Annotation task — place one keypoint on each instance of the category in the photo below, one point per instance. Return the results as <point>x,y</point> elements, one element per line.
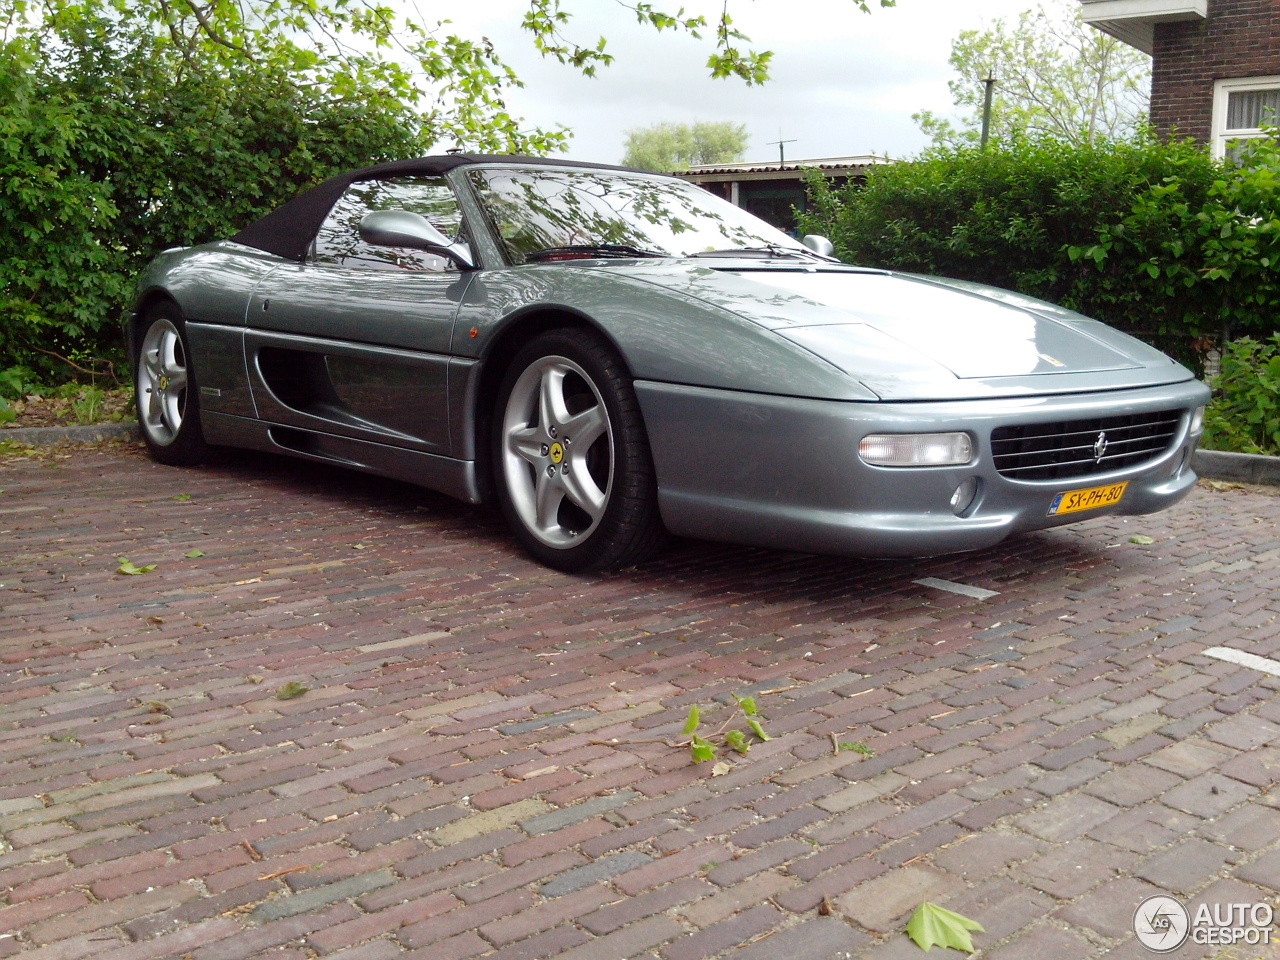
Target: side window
<point>339,243</point>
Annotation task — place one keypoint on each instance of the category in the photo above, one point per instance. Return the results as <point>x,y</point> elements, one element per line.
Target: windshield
<point>546,209</point>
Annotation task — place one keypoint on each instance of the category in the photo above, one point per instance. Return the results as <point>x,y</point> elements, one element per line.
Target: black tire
<point>593,506</point>
<point>165,390</point>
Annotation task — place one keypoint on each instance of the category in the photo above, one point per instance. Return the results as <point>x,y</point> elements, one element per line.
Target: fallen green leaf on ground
<point>721,768</point>
<point>1141,539</point>
<point>691,722</point>
<point>291,689</point>
<point>181,496</point>
<point>931,924</point>
<point>128,569</point>
<point>192,554</point>
<point>701,750</point>
<point>736,741</point>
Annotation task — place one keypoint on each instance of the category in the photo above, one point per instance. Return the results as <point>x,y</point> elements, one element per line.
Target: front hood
<point>908,337</point>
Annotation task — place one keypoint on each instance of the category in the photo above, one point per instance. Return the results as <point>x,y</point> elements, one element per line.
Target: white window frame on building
<point>1222,134</point>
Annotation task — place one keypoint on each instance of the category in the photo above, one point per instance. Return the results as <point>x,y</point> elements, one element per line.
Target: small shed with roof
<point>773,191</point>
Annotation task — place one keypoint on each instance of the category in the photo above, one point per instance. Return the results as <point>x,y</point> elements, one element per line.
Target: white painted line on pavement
<point>1252,660</point>
<point>961,588</point>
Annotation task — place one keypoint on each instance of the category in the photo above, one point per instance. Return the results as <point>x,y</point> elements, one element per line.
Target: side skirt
<point>457,478</point>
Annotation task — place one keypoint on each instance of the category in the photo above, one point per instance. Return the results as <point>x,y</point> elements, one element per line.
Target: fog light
<point>1197,420</point>
<point>963,498</point>
<point>916,449</point>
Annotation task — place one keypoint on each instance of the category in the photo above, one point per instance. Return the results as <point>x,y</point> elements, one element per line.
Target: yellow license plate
<point>1072,501</point>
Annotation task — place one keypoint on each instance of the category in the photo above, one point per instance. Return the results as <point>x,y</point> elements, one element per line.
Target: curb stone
<point>1248,467</point>
<point>85,433</point>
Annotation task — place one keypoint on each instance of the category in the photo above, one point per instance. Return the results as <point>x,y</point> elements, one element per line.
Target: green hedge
<point>1245,413</point>
<point>112,147</point>
<point>1153,237</point>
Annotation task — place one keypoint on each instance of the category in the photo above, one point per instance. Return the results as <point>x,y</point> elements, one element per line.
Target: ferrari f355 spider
<point>615,356</point>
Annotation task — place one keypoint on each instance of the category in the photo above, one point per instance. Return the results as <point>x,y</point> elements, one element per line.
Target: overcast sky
<point>844,83</point>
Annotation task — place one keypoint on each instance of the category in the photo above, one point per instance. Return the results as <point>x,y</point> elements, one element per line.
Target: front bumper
<point>784,472</point>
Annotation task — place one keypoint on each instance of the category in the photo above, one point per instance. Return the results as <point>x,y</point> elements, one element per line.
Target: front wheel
<point>574,474</point>
<point>165,391</point>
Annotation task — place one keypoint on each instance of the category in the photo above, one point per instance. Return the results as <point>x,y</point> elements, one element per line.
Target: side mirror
<point>819,245</point>
<point>401,228</point>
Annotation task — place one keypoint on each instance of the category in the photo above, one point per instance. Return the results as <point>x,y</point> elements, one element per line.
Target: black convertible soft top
<point>288,230</point>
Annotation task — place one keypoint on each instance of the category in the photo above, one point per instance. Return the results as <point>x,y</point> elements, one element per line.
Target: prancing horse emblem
<point>1100,447</point>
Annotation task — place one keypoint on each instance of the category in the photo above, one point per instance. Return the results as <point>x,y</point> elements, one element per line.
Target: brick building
<point>1215,71</point>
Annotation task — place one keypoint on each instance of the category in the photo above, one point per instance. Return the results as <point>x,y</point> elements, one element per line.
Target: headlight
<point>916,449</point>
<point>1197,420</point>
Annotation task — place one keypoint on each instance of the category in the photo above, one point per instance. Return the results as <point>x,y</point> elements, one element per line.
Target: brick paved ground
<point>474,772</point>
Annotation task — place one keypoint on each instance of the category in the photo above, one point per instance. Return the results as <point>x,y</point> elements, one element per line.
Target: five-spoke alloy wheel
<point>164,384</point>
<point>574,474</point>
<point>557,451</point>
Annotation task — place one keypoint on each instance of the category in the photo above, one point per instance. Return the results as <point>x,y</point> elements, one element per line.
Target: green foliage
<point>665,147</point>
<point>1153,237</point>
<point>692,721</point>
<point>18,381</point>
<point>1244,416</point>
<point>290,690</point>
<point>1055,76</point>
<point>702,749</point>
<point>129,569</point>
<point>736,741</point>
<point>856,746</point>
<point>112,147</point>
<point>931,924</point>
<point>1209,242</point>
<point>15,383</point>
<point>86,405</point>
<point>58,281</point>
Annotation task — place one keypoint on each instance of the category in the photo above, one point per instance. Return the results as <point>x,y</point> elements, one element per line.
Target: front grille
<point>1069,448</point>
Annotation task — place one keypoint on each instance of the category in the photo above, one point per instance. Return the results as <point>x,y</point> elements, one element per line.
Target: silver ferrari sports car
<point>615,356</point>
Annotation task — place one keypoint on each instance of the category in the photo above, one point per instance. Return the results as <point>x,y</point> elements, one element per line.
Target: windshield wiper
<point>587,251</point>
<point>770,250</point>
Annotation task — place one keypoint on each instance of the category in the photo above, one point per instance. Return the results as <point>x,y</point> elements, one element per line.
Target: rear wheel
<point>574,474</point>
<point>165,390</point>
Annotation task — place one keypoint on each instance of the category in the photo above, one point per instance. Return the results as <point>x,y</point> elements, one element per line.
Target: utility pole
<point>990,82</point>
<point>781,155</point>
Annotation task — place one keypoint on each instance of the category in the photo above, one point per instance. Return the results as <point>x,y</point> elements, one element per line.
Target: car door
<point>354,341</point>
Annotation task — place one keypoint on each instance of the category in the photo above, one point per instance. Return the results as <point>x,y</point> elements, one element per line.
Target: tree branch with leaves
<point>1055,76</point>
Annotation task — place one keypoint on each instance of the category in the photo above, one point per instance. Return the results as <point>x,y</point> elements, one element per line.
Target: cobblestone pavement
<point>479,766</point>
